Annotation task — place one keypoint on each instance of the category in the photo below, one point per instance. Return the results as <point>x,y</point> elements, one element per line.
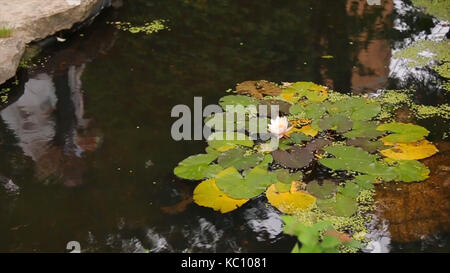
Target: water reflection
<point>55,145</point>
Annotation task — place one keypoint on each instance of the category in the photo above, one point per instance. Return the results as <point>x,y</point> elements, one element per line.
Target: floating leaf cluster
<point>342,138</point>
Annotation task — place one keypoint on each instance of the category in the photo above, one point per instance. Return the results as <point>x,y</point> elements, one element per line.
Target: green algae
<point>394,99</point>
<point>148,28</point>
<point>428,111</point>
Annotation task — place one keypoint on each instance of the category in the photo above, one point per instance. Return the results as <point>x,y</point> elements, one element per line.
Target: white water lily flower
<point>279,126</point>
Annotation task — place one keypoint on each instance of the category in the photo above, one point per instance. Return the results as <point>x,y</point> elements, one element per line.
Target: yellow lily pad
<point>207,194</point>
<point>292,201</point>
<point>409,151</point>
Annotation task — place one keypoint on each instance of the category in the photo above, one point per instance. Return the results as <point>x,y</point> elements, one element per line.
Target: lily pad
<point>410,151</point>
<point>365,181</point>
<point>283,106</point>
<point>298,138</point>
<point>207,194</point>
<point>310,90</point>
<point>197,167</point>
<point>231,182</point>
<point>224,141</point>
<point>351,158</point>
<point>339,123</point>
<point>410,170</point>
<point>235,100</point>
<point>341,205</point>
<point>239,159</point>
<point>299,157</point>
<point>226,121</point>
<point>290,202</point>
<point>366,129</point>
<point>403,132</point>
<point>284,176</point>
<point>309,110</point>
<point>322,191</point>
<point>258,89</point>
<point>366,144</point>
<point>355,108</point>
<point>350,189</point>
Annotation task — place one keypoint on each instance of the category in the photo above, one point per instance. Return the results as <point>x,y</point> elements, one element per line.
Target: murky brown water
<point>85,148</point>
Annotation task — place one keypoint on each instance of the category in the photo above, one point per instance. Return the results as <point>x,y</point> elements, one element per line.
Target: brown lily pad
<point>258,89</point>
<point>299,157</point>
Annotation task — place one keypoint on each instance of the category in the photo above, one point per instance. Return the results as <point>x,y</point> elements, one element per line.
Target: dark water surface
<point>85,147</point>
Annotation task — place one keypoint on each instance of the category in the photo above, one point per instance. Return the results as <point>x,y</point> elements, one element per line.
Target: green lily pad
<point>284,176</point>
<point>239,159</point>
<point>257,125</point>
<point>310,110</point>
<point>231,182</point>
<point>324,191</point>
<point>351,189</point>
<point>351,158</point>
<point>366,129</point>
<point>223,141</point>
<point>410,171</point>
<point>298,138</point>
<point>197,167</point>
<point>340,205</point>
<point>339,123</point>
<point>365,181</point>
<point>235,100</point>
<point>226,121</point>
<point>355,108</point>
<point>403,132</point>
<point>366,144</point>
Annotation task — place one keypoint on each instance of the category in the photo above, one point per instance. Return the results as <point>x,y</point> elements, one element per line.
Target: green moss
<point>437,8</point>
<point>5,32</point>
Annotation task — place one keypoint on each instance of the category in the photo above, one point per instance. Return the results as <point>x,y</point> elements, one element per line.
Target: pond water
<point>85,147</point>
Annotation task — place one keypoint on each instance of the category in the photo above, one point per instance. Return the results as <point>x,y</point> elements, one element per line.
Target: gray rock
<point>11,51</point>
<point>32,20</point>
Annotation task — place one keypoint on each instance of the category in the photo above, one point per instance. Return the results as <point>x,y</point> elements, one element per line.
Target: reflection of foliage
<point>438,8</point>
<point>245,168</point>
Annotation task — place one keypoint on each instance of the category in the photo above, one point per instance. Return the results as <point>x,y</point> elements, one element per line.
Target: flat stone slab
<point>32,20</point>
